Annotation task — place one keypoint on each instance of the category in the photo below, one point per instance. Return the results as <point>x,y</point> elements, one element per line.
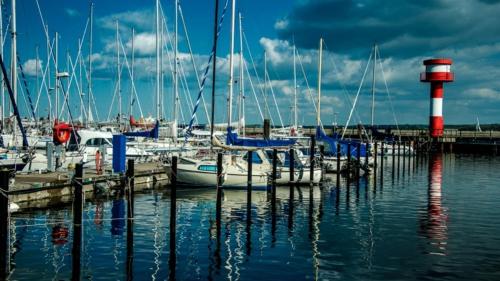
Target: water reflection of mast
<point>314,221</point>
<point>434,223</point>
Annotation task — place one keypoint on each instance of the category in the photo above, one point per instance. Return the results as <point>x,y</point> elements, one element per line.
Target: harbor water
<point>436,218</point>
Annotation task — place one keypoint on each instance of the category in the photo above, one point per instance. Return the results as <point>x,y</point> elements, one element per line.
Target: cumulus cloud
<point>30,67</point>
<point>71,12</point>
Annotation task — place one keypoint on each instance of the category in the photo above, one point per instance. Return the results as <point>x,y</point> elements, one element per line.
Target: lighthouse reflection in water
<point>434,222</point>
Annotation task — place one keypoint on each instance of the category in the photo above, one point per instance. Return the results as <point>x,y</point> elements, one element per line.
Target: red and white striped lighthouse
<point>437,72</point>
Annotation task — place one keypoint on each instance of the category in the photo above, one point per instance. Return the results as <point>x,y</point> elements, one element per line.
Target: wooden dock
<point>48,189</point>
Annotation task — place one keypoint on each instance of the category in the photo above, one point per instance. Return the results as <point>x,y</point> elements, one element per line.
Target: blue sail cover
<point>232,139</point>
<point>154,133</point>
<point>331,144</point>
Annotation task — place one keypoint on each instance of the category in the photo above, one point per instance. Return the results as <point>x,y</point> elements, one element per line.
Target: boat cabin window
<point>74,140</point>
<point>96,142</point>
<point>208,168</point>
<point>255,158</point>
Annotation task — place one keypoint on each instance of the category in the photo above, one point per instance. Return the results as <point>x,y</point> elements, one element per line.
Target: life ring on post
<point>61,133</point>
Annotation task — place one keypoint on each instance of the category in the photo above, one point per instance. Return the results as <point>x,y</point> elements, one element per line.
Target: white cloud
<point>140,20</point>
<point>30,66</point>
<point>71,12</point>
<point>144,44</point>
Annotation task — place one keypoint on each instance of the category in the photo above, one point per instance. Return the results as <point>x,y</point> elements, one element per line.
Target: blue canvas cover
<point>331,144</point>
<point>232,139</point>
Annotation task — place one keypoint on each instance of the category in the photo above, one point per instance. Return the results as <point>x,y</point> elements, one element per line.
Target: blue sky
<point>406,31</point>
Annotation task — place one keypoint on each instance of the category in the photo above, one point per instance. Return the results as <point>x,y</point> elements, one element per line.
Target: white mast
<point>158,60</point>
<point>295,124</point>
<point>373,82</point>
<point>132,75</point>
<point>56,90</point>
<point>89,94</point>
<point>13,59</point>
<point>320,59</point>
<point>37,74</point>
<point>231,67</point>
<point>49,115</point>
<point>118,88</point>
<point>241,107</point>
<point>2,87</point>
<point>176,86</point>
<point>81,80</point>
<point>162,74</point>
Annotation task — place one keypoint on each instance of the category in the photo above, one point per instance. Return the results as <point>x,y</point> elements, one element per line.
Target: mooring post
<point>375,155</point>
<point>358,160</point>
<point>292,165</point>
<point>218,204</point>
<point>338,164</point>
<point>249,186</point>
<point>130,218</point>
<point>348,161</point>
<point>4,224</point>
<point>393,157</point>
<point>321,158</point>
<point>274,176</point>
<point>173,212</point>
<point>381,162</point>
<point>77,220</point>
<point>312,159</point>
<point>399,156</point>
<point>404,157</point>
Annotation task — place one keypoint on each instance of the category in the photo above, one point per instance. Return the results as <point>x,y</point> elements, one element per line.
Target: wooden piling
<point>322,158</point>
<point>173,204</point>
<point>4,224</point>
<point>274,176</point>
<point>249,187</point>
<point>218,204</point>
<point>292,166</point>
<point>399,156</point>
<point>393,158</point>
<point>358,160</point>
<point>404,157</point>
<point>130,218</point>
<point>338,164</point>
<point>382,153</point>
<point>312,159</point>
<point>77,221</point>
<point>348,161</point>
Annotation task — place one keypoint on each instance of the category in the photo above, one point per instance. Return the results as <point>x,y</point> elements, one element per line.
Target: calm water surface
<point>439,220</point>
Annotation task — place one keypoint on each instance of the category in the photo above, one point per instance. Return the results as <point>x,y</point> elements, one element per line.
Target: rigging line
<point>357,95</point>
<point>388,95</point>
<point>257,76</point>
<point>44,85</point>
<point>6,33</point>
<point>274,98</point>
<point>128,67</point>
<point>25,82</point>
<point>347,95</point>
<point>188,41</point>
<point>205,75</point>
<point>78,88</point>
<point>253,90</point>
<point>309,90</point>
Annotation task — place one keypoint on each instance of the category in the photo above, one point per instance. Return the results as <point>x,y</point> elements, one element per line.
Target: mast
<point>241,107</point>
<point>56,90</point>
<point>89,110</point>
<point>2,87</point>
<point>267,114</point>
<point>295,124</point>
<point>320,59</point>
<point>37,65</point>
<point>49,115</point>
<point>119,90</point>
<point>216,18</point>
<point>81,80</point>
<point>176,85</point>
<point>157,59</point>
<point>231,68</point>
<point>162,74</point>
<point>14,61</point>
<point>373,82</point>
<point>132,74</point>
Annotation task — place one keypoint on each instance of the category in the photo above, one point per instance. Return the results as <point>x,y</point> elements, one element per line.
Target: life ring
<point>60,234</point>
<point>61,133</point>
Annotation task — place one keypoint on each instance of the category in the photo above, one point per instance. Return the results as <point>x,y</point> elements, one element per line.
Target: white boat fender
<point>13,207</point>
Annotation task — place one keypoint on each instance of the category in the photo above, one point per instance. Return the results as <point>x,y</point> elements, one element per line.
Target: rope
<point>205,74</point>
<point>25,82</point>
<point>4,192</point>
